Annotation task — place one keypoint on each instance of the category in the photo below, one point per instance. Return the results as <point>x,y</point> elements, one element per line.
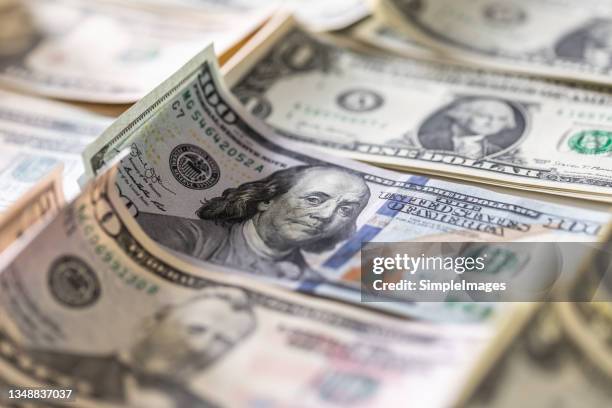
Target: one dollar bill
<point>563,39</point>
<point>428,117</point>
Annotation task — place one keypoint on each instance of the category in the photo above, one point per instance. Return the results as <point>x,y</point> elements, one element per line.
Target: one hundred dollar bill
<point>553,352</point>
<point>563,39</point>
<point>428,117</point>
<point>46,46</point>
<point>36,136</point>
<point>94,306</point>
<point>213,184</point>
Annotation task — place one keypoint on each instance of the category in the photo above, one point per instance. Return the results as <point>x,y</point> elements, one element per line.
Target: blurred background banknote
<point>555,353</point>
<point>376,33</point>
<point>317,14</point>
<point>35,136</point>
<point>563,39</point>
<point>48,47</point>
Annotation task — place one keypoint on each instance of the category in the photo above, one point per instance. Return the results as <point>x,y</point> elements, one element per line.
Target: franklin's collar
<point>258,246</point>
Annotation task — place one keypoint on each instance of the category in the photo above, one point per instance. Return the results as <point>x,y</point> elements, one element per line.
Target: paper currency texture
<point>563,39</point>
<point>428,117</point>
<point>210,182</point>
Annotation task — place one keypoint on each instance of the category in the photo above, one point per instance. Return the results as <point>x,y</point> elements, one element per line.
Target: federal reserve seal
<point>193,167</point>
<point>360,100</point>
<point>73,283</point>
<point>591,142</point>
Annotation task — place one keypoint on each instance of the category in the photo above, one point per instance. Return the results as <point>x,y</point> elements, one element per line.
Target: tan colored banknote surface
<point>318,15</point>
<point>376,33</point>
<point>428,117</point>
<point>94,306</point>
<point>50,47</point>
<point>35,136</point>
<point>564,39</point>
<point>552,353</point>
<point>44,198</point>
<point>207,180</point>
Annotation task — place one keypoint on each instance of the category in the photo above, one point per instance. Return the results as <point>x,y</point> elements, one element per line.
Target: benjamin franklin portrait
<point>178,343</point>
<point>263,226</point>
<point>590,43</point>
<point>473,127</point>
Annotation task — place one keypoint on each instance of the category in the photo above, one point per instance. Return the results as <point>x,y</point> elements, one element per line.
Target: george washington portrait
<point>473,127</point>
<point>263,226</point>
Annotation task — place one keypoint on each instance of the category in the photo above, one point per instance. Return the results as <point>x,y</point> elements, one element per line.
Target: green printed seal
<point>591,142</point>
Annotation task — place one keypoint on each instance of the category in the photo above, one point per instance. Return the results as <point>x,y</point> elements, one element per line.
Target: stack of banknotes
<point>186,187</point>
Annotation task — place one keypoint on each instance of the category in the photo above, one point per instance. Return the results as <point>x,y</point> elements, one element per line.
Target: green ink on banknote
<point>591,142</point>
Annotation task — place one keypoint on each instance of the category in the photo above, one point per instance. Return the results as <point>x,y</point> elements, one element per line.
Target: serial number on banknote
<point>181,110</point>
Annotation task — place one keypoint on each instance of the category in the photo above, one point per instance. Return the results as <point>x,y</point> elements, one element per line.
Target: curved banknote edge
<point>563,40</point>
<point>428,117</point>
<point>562,346</point>
<point>207,180</point>
<point>376,33</point>
<point>95,306</point>
<point>43,199</point>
